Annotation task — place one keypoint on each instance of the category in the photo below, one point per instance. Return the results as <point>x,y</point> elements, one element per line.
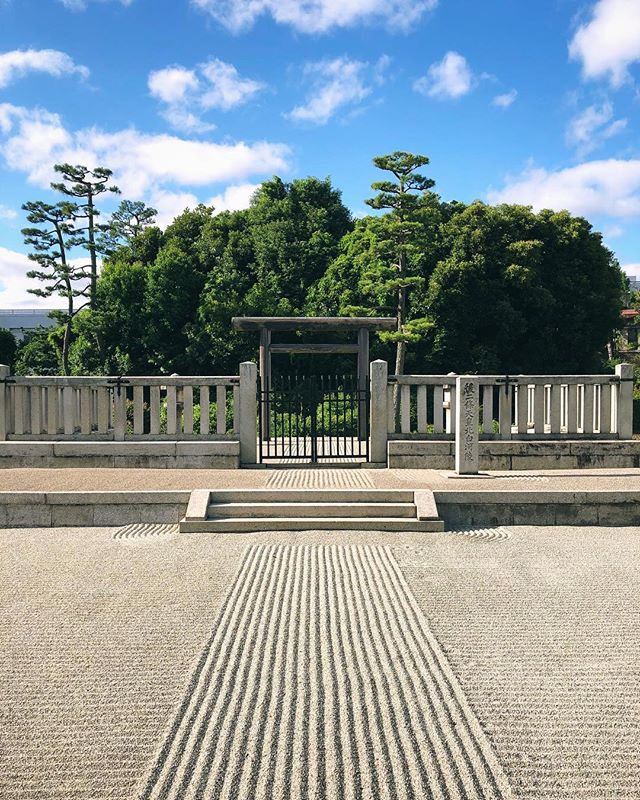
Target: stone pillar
<point>248,413</point>
<point>4,422</point>
<point>378,415</point>
<point>467,451</point>
<point>625,401</point>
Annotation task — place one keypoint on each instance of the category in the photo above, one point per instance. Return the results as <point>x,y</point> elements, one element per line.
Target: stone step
<point>259,524</point>
<point>311,496</point>
<point>313,509</point>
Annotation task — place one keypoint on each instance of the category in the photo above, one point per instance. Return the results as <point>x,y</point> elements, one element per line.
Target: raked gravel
<point>320,665</point>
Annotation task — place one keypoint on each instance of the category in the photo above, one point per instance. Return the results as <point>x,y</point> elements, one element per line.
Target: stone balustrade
<point>469,409</point>
<point>119,408</point>
<point>512,407</point>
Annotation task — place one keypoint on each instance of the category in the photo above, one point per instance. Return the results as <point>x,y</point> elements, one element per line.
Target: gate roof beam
<point>314,323</point>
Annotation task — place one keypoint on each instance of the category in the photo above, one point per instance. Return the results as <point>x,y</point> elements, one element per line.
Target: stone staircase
<point>255,510</point>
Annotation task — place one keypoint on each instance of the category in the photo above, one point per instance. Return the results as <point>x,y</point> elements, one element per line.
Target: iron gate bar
<point>313,418</point>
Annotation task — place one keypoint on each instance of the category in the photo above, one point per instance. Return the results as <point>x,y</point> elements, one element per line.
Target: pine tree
<point>51,243</point>
<point>86,184</point>
<point>398,237</point>
<point>125,225</point>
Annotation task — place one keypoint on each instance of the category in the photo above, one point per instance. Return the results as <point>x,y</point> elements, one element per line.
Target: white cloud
<point>631,269</point>
<point>592,127</point>
<point>16,64</point>
<point>234,197</point>
<point>186,93</point>
<point>609,42</point>
<point>80,5</point>
<point>447,79</point>
<point>35,139</point>
<point>613,231</point>
<point>505,100</point>
<point>7,213</point>
<point>335,84</point>
<point>170,204</point>
<point>226,88</point>
<point>609,188</point>
<point>14,283</point>
<point>317,16</point>
<point>172,84</point>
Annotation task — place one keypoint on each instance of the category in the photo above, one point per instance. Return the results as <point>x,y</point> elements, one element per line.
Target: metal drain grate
<point>145,530</point>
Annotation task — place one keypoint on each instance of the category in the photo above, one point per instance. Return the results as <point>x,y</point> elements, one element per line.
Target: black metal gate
<point>313,418</point>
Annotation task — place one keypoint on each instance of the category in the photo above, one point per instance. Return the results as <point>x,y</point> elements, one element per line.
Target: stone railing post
<point>248,413</point>
<point>378,374</point>
<point>625,401</point>
<point>467,449</point>
<point>4,422</point>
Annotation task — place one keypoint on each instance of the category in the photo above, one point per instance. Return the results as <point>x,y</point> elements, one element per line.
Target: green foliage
<point>8,347</point>
<point>51,239</point>
<point>474,288</point>
<point>40,352</point>
<point>384,260</point>
<point>262,261</point>
<point>522,292</point>
<point>85,185</point>
<point>126,225</point>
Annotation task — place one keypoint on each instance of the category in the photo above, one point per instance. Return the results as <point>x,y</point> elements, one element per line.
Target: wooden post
<point>625,401</point>
<point>265,380</point>
<point>248,416</point>
<point>4,405</point>
<point>378,418</point>
<point>363,381</point>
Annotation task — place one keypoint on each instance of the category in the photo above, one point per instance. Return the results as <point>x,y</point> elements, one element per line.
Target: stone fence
<point>467,410</point>
<point>434,421</point>
<point>111,409</point>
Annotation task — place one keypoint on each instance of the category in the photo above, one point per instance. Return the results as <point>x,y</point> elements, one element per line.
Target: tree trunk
<point>92,251</point>
<point>67,333</point>
<point>401,346</point>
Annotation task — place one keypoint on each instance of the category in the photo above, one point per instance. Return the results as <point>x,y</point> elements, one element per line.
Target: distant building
<point>634,283</point>
<point>21,320</point>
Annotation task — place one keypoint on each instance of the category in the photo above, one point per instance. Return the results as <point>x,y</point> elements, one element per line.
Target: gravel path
<point>543,631</point>
<point>319,665</point>
<point>322,679</point>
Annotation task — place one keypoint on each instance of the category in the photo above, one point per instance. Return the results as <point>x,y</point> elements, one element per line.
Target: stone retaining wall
<point>87,509</point>
<point>154,455</point>
<point>478,509</point>
<point>518,454</point>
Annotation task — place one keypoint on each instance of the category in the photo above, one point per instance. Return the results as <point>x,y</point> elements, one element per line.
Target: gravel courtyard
<point>451,665</point>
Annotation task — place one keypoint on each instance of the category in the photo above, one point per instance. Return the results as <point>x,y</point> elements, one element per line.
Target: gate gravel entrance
<point>314,418</point>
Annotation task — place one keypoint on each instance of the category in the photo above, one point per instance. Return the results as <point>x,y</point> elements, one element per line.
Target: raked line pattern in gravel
<point>142,530</point>
<point>325,478</point>
<point>321,679</point>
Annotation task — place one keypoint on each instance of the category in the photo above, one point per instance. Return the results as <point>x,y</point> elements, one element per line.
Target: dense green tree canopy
<point>521,292</point>
<point>483,289</point>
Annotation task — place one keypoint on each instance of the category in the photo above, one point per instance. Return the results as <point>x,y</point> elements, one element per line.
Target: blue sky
<point>199,100</point>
